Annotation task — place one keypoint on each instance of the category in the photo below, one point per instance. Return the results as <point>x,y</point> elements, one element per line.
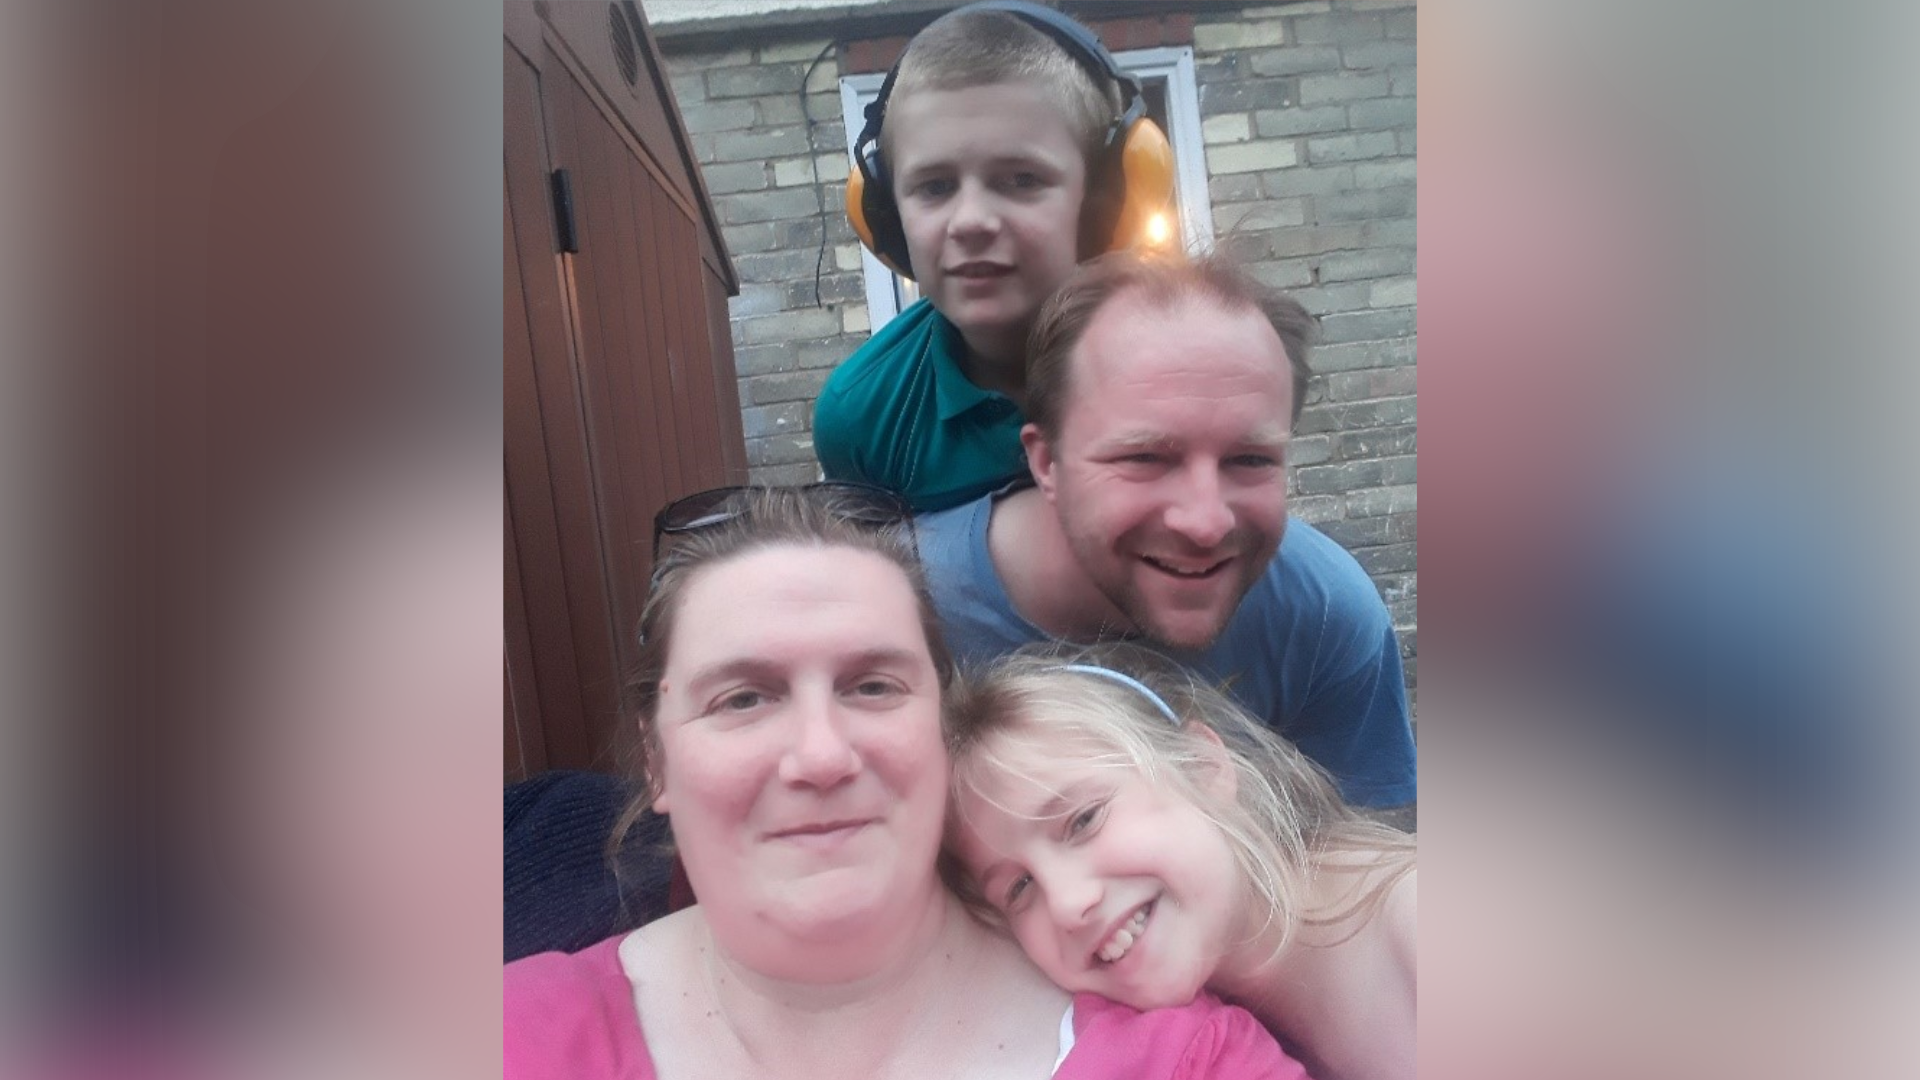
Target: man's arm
<point>1354,713</point>
<point>1355,720</point>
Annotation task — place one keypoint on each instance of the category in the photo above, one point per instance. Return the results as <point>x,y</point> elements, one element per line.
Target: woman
<point>789,708</point>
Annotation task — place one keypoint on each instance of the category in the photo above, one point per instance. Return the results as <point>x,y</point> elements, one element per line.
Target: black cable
<point>813,163</point>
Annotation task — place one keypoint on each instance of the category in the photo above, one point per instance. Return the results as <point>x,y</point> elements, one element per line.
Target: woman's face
<point>801,755</point>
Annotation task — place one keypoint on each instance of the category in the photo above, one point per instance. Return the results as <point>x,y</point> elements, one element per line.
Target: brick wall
<point>1307,114</point>
<point>748,117</point>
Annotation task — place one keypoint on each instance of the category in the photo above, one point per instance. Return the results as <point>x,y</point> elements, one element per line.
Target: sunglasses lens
<point>874,507</point>
<point>698,511</point>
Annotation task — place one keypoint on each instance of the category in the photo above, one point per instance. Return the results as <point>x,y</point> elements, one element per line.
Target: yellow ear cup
<point>856,205</point>
<point>1146,168</point>
<point>857,217</point>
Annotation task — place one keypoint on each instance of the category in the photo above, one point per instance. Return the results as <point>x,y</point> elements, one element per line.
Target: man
<point>1161,398</point>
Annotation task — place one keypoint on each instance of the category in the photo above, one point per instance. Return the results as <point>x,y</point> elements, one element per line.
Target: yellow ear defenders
<point>1129,182</point>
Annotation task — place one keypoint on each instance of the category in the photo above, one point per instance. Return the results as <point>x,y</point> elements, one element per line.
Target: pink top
<point>570,1017</point>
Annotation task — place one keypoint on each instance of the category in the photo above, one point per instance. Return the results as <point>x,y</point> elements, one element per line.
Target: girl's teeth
<point>1124,937</point>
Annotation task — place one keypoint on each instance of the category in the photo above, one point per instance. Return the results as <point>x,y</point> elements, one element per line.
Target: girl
<point>1142,837</point>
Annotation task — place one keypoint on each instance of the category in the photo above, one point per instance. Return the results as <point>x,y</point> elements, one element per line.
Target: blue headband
<point>1127,680</point>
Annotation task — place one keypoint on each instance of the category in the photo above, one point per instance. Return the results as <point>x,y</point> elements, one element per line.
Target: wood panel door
<point>619,368</point>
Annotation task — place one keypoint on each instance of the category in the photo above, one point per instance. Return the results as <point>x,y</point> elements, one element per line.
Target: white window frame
<point>1173,64</point>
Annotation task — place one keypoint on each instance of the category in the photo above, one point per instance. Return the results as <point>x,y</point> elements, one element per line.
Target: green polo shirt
<point>899,413</point>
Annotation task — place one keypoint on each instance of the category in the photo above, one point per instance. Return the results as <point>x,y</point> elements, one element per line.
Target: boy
<point>1002,152</point>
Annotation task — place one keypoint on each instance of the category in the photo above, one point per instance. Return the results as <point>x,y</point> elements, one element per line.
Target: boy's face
<point>989,181</point>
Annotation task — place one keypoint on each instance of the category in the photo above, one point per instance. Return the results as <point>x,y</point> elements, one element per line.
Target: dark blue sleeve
<point>1354,718</point>
<point>1373,753</point>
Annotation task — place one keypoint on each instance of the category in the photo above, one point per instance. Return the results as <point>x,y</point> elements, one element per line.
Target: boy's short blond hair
<point>965,49</point>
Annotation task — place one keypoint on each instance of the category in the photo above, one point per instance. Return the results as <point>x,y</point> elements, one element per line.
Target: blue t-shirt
<point>900,413</point>
<point>1310,650</point>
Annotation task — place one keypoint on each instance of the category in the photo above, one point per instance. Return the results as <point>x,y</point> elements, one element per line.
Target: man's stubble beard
<point>1134,607</point>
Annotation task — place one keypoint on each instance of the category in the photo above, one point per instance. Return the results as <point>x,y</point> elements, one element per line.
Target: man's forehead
<point>1195,350</point>
<point>1131,328</point>
<point>1274,433</point>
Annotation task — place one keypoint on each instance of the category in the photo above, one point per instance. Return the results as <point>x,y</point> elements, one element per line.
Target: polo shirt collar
<point>954,392</point>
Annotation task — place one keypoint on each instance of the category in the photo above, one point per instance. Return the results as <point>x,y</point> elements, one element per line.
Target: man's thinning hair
<point>1157,282</point>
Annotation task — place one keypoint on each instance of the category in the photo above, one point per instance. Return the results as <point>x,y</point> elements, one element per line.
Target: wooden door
<point>619,391</point>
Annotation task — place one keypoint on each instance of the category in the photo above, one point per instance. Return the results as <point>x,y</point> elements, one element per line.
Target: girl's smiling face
<point>1113,883</point>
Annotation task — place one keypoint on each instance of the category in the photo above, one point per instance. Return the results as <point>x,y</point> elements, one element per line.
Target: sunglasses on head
<point>863,504</point>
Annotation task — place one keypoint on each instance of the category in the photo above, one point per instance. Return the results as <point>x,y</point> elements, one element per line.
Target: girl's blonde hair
<point>1283,821</point>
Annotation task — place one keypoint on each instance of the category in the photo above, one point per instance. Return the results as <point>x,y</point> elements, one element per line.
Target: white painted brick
<point>1352,147</point>
<point>1379,502</point>
<point>833,168</point>
<point>1253,156</point>
<point>1385,174</point>
<point>790,326</point>
<point>1309,449</point>
<point>776,111</point>
<point>1229,128</point>
<point>1284,274</point>
<point>825,78</point>
<point>789,52</point>
<point>730,58</point>
<point>1392,294</point>
<point>1314,509</point>
<point>854,320</point>
<point>792,171</point>
<point>1221,37</point>
<point>1266,214</point>
<point>846,257</point>
<point>736,177</point>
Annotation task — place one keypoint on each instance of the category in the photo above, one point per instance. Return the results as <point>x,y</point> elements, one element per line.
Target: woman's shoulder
<point>1203,1038</point>
<point>571,1015</point>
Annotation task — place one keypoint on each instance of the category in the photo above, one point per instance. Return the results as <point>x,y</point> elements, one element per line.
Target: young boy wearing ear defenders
<point>1005,147</point>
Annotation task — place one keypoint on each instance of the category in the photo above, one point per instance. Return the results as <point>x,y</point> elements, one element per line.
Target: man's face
<point>1169,467</point>
<point>989,181</point>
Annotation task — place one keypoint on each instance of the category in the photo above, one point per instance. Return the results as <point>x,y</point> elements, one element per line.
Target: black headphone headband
<point>1079,43</point>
